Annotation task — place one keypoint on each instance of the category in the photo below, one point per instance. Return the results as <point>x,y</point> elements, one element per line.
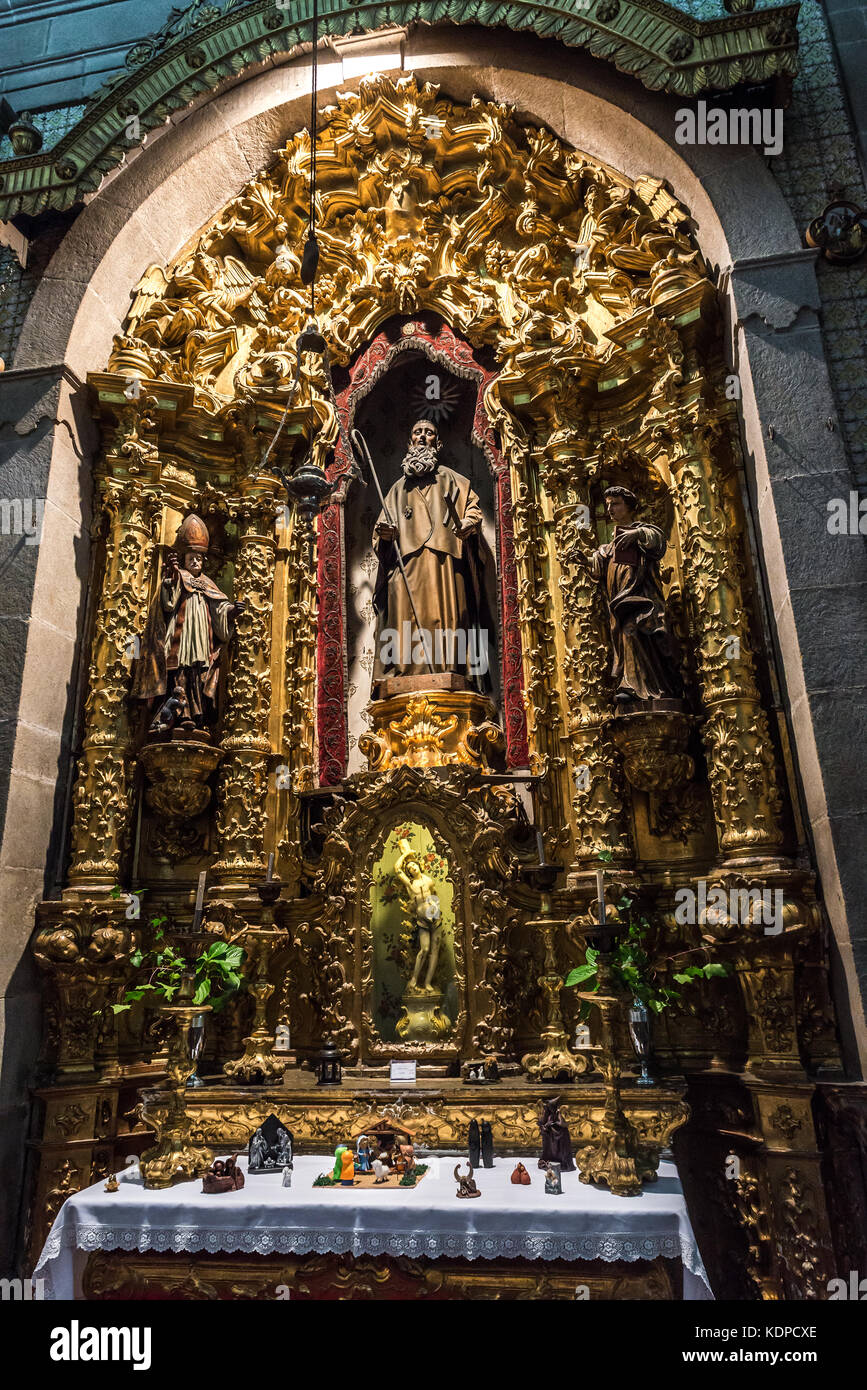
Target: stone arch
<point>81,301</point>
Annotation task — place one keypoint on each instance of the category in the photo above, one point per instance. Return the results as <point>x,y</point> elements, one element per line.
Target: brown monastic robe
<point>427,513</point>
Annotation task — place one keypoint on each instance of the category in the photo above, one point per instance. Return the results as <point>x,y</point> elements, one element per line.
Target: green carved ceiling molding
<point>203,45</point>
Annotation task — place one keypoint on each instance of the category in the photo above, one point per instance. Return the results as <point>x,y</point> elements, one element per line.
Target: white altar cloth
<point>583,1223</point>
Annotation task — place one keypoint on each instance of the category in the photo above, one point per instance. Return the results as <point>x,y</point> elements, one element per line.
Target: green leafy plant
<point>215,974</point>
<point>657,981</point>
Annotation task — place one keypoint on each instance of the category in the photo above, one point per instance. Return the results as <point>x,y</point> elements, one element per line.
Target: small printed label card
<point>402,1072</point>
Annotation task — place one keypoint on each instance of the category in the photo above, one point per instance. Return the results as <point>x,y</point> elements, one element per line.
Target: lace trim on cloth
<point>191,1239</point>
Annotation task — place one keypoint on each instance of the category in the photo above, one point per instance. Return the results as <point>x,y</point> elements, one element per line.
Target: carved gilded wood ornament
<point>588,294</point>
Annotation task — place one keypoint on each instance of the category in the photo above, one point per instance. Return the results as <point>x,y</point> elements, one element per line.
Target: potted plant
<point>654,982</point>
<point>168,979</point>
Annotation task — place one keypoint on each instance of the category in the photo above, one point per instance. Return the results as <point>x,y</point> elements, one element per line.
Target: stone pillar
<point>246,740</point>
<point>101,802</point>
<point>816,576</point>
<point>741,765</point>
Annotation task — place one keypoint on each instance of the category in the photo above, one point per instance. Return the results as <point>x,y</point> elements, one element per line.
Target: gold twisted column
<point>102,803</point>
<point>598,791</point>
<point>296,770</point>
<point>246,739</point>
<point>740,755</point>
<point>538,641</point>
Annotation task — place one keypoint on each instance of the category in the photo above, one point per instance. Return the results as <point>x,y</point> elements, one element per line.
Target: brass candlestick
<point>555,1062</point>
<point>174,1157</point>
<point>616,1158</point>
<point>258,1065</point>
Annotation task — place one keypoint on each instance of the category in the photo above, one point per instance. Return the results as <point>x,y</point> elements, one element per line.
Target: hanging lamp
<point>308,487</point>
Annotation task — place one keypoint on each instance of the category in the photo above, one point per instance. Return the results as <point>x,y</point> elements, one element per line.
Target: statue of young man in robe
<point>189,624</point>
<point>645,664</point>
<point>433,516</point>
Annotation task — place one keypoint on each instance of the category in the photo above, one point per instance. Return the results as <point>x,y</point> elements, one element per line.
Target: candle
<point>540,845</point>
<point>200,899</point>
<point>600,895</point>
<point>270,874</point>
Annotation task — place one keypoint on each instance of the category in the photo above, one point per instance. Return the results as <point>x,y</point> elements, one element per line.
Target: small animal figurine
<point>466,1185</point>
<point>474,1144</point>
<point>287,1176</point>
<point>487,1145</point>
<point>520,1176</point>
<point>347,1168</point>
<point>379,1170</point>
<point>112,1184</point>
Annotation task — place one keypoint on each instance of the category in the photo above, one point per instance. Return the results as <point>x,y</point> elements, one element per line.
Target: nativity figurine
<point>270,1148</point>
<point>556,1140</point>
<point>224,1175</point>
<point>189,626</point>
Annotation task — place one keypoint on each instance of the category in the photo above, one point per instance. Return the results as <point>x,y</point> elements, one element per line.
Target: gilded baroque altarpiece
<point>575,309</point>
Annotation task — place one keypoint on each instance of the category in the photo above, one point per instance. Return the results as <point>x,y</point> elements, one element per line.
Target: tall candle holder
<point>555,1063</point>
<point>258,1065</point>
<point>616,1158</point>
<point>173,1157</point>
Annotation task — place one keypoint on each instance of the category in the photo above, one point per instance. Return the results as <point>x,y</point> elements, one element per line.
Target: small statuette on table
<point>520,1176</point>
<point>270,1147</point>
<point>553,1184</point>
<point>112,1184</point>
<point>287,1176</point>
<point>474,1144</point>
<point>556,1140</point>
<point>347,1168</point>
<point>224,1175</point>
<point>487,1145</point>
<point>466,1183</point>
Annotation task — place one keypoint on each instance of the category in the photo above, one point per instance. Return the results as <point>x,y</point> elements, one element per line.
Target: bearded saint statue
<point>189,624</point>
<point>433,516</point>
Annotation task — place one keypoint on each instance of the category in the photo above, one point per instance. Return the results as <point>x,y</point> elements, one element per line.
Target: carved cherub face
<point>193,563</point>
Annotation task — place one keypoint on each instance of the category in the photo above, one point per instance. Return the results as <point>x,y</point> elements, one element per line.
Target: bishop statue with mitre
<point>189,624</point>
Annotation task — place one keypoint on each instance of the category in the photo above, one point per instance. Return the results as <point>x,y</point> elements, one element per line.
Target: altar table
<point>428,1222</point>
